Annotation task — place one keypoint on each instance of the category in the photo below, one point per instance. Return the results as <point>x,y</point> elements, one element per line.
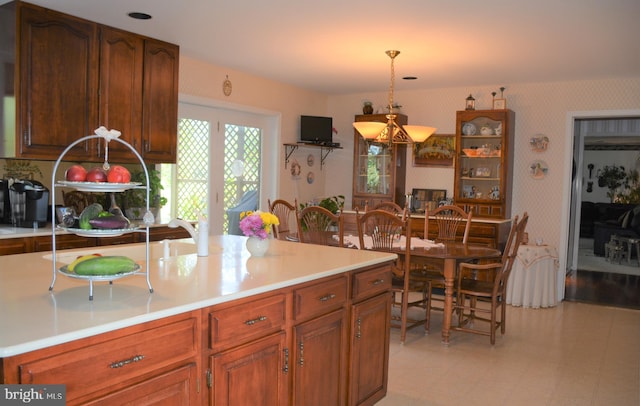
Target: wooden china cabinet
<point>484,164</point>
<point>379,170</point>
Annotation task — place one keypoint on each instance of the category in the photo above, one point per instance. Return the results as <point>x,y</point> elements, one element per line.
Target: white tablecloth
<point>353,240</point>
<point>532,282</point>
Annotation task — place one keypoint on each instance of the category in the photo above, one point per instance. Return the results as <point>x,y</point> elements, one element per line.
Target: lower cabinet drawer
<point>239,323</point>
<point>370,283</point>
<point>176,387</point>
<point>114,363</point>
<point>319,298</point>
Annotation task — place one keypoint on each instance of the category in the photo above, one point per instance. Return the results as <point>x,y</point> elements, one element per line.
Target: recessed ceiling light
<point>139,16</point>
<point>410,78</point>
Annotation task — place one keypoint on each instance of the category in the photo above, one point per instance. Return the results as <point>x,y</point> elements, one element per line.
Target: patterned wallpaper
<point>541,108</point>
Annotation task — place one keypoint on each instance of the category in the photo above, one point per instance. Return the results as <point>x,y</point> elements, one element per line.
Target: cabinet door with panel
<point>379,170</point>
<point>370,335</point>
<point>319,360</point>
<point>484,168</point>
<point>121,63</point>
<point>256,373</point>
<point>160,101</point>
<point>58,83</point>
<point>369,350</point>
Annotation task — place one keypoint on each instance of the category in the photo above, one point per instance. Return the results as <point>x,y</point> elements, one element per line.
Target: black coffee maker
<point>24,203</point>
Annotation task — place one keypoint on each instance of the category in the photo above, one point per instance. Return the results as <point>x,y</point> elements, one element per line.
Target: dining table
<point>452,253</point>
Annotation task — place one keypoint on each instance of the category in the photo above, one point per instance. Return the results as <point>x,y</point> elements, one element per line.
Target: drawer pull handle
<point>254,321</point>
<point>327,297</point>
<point>359,328</point>
<point>377,282</point>
<point>120,364</point>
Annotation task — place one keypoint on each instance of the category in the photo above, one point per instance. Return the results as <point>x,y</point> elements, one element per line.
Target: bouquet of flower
<point>257,223</point>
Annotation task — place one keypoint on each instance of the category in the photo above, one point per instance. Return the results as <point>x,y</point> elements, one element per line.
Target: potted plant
<point>632,189</point>
<point>332,203</point>
<point>612,177</point>
<point>135,200</point>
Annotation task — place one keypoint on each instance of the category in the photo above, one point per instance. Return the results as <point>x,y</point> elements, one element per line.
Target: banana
<point>82,258</point>
<point>106,265</point>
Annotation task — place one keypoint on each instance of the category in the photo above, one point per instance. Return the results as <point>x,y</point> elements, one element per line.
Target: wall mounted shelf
<point>289,148</point>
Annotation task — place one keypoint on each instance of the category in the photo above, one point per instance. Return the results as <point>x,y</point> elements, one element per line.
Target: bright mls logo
<point>49,395</point>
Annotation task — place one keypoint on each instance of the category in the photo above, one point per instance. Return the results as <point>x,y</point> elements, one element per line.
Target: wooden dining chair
<point>378,230</point>
<point>487,295</point>
<point>317,225</point>
<point>285,212</point>
<point>389,206</point>
<point>446,221</point>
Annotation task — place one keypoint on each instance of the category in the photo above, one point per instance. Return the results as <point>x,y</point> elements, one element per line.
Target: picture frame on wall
<point>437,150</point>
<point>499,104</point>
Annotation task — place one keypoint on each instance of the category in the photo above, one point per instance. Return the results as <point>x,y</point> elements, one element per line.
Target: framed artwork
<point>499,104</point>
<point>422,199</point>
<point>437,150</point>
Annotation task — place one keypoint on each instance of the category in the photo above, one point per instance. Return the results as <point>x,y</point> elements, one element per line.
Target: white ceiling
<point>337,46</point>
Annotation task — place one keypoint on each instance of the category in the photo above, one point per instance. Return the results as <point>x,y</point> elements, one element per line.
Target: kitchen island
<point>211,322</point>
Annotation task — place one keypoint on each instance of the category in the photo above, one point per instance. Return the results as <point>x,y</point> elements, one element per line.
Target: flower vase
<point>257,247</point>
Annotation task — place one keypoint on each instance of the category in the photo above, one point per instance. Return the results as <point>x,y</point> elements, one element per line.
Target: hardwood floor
<point>604,288</point>
<point>601,282</point>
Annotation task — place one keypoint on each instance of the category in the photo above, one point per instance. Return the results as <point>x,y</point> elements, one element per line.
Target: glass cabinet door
<point>374,169</point>
<point>379,169</point>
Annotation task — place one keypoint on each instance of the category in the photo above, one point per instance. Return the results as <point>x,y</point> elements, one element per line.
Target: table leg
<point>449,277</point>
<point>629,247</point>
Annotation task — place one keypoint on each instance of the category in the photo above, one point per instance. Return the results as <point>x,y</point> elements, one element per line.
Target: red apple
<point>97,174</point>
<point>76,173</point>
<point>118,174</point>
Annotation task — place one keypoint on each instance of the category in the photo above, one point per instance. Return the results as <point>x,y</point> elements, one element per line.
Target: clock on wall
<point>227,87</point>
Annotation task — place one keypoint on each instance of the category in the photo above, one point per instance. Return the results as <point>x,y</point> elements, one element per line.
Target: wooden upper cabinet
<point>57,84</point>
<point>76,75</point>
<point>160,101</point>
<point>121,63</point>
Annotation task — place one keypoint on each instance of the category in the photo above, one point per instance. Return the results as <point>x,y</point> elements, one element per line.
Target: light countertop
<point>32,317</point>
<point>8,231</point>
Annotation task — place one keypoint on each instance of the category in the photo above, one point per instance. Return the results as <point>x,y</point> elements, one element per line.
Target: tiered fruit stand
<point>106,187</point>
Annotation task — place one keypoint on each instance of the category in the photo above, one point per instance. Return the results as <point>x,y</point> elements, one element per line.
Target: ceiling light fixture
<point>391,132</point>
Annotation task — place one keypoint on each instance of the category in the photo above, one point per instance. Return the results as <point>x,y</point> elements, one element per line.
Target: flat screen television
<point>318,130</point>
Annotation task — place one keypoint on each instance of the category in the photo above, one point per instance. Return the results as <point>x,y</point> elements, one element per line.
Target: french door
<point>220,158</point>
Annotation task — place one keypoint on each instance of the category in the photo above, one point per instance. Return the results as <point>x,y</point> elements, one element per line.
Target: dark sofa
<point>603,220</point>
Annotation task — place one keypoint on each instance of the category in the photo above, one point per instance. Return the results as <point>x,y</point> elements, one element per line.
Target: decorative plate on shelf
<point>99,232</point>
<point>469,129</point>
<point>65,271</point>
<point>99,186</point>
<point>538,169</point>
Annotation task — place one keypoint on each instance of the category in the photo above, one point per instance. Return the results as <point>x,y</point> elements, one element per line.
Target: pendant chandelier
<point>391,132</point>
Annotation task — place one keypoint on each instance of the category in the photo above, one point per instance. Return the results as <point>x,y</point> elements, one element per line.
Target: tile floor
<point>572,354</point>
